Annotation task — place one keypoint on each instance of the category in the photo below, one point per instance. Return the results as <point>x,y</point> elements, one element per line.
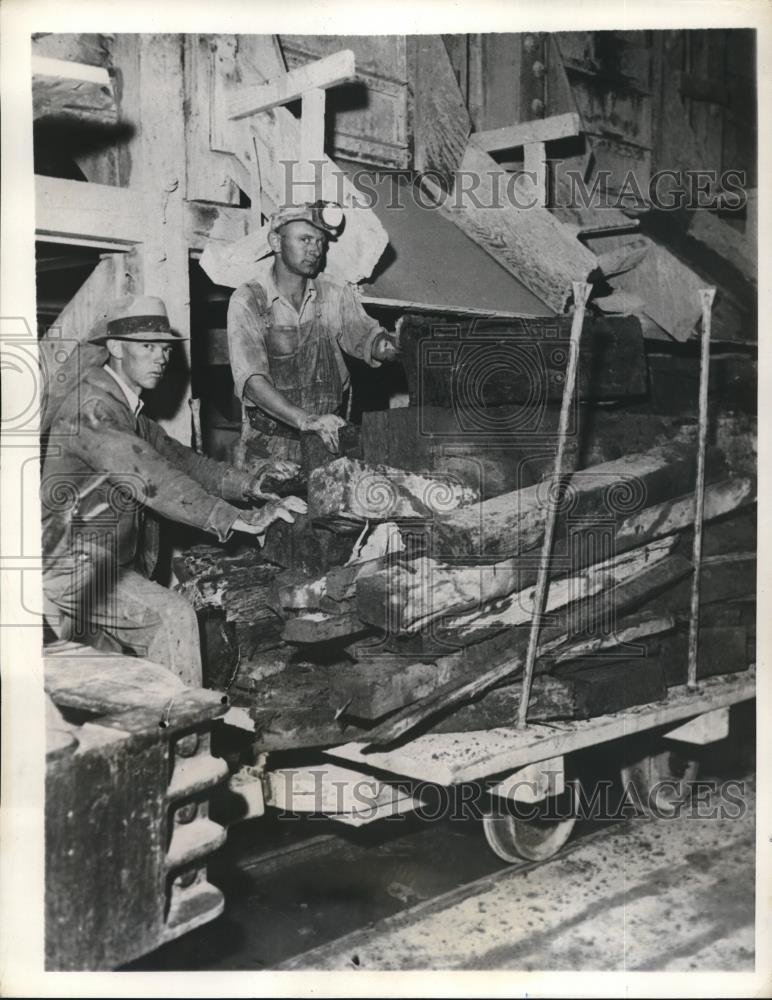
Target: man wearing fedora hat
<point>106,465</point>
<point>287,331</point>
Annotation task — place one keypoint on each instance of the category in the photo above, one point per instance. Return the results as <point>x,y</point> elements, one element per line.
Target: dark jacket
<point>95,432</point>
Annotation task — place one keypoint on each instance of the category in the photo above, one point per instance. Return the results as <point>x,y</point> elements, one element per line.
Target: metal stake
<point>706,298</point>
<point>581,294</point>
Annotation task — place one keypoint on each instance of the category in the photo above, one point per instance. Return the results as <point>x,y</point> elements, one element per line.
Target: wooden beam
<point>154,171</point>
<point>539,131</point>
<point>440,124</point>
<point>43,66</point>
<point>514,522</point>
<point>320,74</point>
<point>449,759</point>
<point>312,138</point>
<point>503,217</point>
<point>88,213</point>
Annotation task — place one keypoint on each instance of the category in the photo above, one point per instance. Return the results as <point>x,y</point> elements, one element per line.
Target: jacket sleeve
<point>140,473</point>
<point>215,477</point>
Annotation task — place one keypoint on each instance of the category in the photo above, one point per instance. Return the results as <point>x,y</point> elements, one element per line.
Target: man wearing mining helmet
<point>287,331</point>
<point>107,467</point>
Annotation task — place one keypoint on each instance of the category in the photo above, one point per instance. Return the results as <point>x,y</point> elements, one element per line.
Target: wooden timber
<point>323,73</point>
<point>628,594</point>
<point>524,238</point>
<point>453,758</point>
<point>440,123</point>
<point>97,214</point>
<point>71,90</point>
<point>514,522</point>
<point>411,596</point>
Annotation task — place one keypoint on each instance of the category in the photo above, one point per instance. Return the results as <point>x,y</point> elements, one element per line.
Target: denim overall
<point>302,363</point>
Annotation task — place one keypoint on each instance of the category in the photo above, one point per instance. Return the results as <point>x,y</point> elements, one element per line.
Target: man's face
<point>301,247</point>
<point>141,364</point>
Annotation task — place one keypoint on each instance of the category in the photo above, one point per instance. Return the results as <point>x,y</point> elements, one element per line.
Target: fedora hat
<point>135,317</point>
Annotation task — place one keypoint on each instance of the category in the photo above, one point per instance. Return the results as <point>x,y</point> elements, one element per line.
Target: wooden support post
<point>535,165</point>
<point>706,299</point>
<point>581,294</point>
<point>312,138</point>
<point>155,168</point>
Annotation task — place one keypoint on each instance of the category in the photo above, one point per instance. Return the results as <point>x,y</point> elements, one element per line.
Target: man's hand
<point>384,348</point>
<point>257,522</point>
<point>326,426</point>
<point>281,470</point>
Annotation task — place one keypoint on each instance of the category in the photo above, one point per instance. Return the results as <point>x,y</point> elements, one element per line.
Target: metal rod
<point>581,294</point>
<point>706,298</point>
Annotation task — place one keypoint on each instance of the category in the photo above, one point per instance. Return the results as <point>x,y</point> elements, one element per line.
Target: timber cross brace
<point>308,83</point>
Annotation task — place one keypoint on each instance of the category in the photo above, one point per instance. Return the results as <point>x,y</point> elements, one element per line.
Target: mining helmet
<point>324,215</point>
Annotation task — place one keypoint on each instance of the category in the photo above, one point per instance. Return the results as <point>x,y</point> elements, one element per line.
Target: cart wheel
<point>539,836</point>
<point>659,781</point>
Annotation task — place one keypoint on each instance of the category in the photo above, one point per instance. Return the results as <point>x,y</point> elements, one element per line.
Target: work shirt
<point>298,351</point>
<point>134,401</point>
<point>335,305</point>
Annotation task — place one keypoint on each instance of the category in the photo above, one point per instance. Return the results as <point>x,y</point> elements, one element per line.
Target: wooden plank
<point>538,130</point>
<point>72,90</point>
<point>65,355</point>
<point>477,364</point>
<point>723,577</point>
<point>525,239</point>
<point>514,522</point>
<point>371,129</point>
<point>722,650</point>
<point>668,289</point>
<point>312,129</point>
<point>551,698</point>
<point>226,223</point>
<point>406,598</point>
<point>441,124</point>
<point>99,214</point>
<point>721,498</point>
<point>210,173</point>
<point>726,241</point>
<point>451,759</point>
<point>89,49</point>
<point>449,695</point>
<point>324,73</point>
<point>602,688</point>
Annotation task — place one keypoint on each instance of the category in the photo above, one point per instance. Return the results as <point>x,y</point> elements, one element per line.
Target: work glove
<point>279,470</point>
<point>257,522</point>
<point>385,348</point>
<point>326,426</point>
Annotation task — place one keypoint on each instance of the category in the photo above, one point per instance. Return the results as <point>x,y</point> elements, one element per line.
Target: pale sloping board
<point>65,355</point>
<point>529,242</point>
<point>668,289</point>
<point>272,137</point>
<point>441,123</point>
